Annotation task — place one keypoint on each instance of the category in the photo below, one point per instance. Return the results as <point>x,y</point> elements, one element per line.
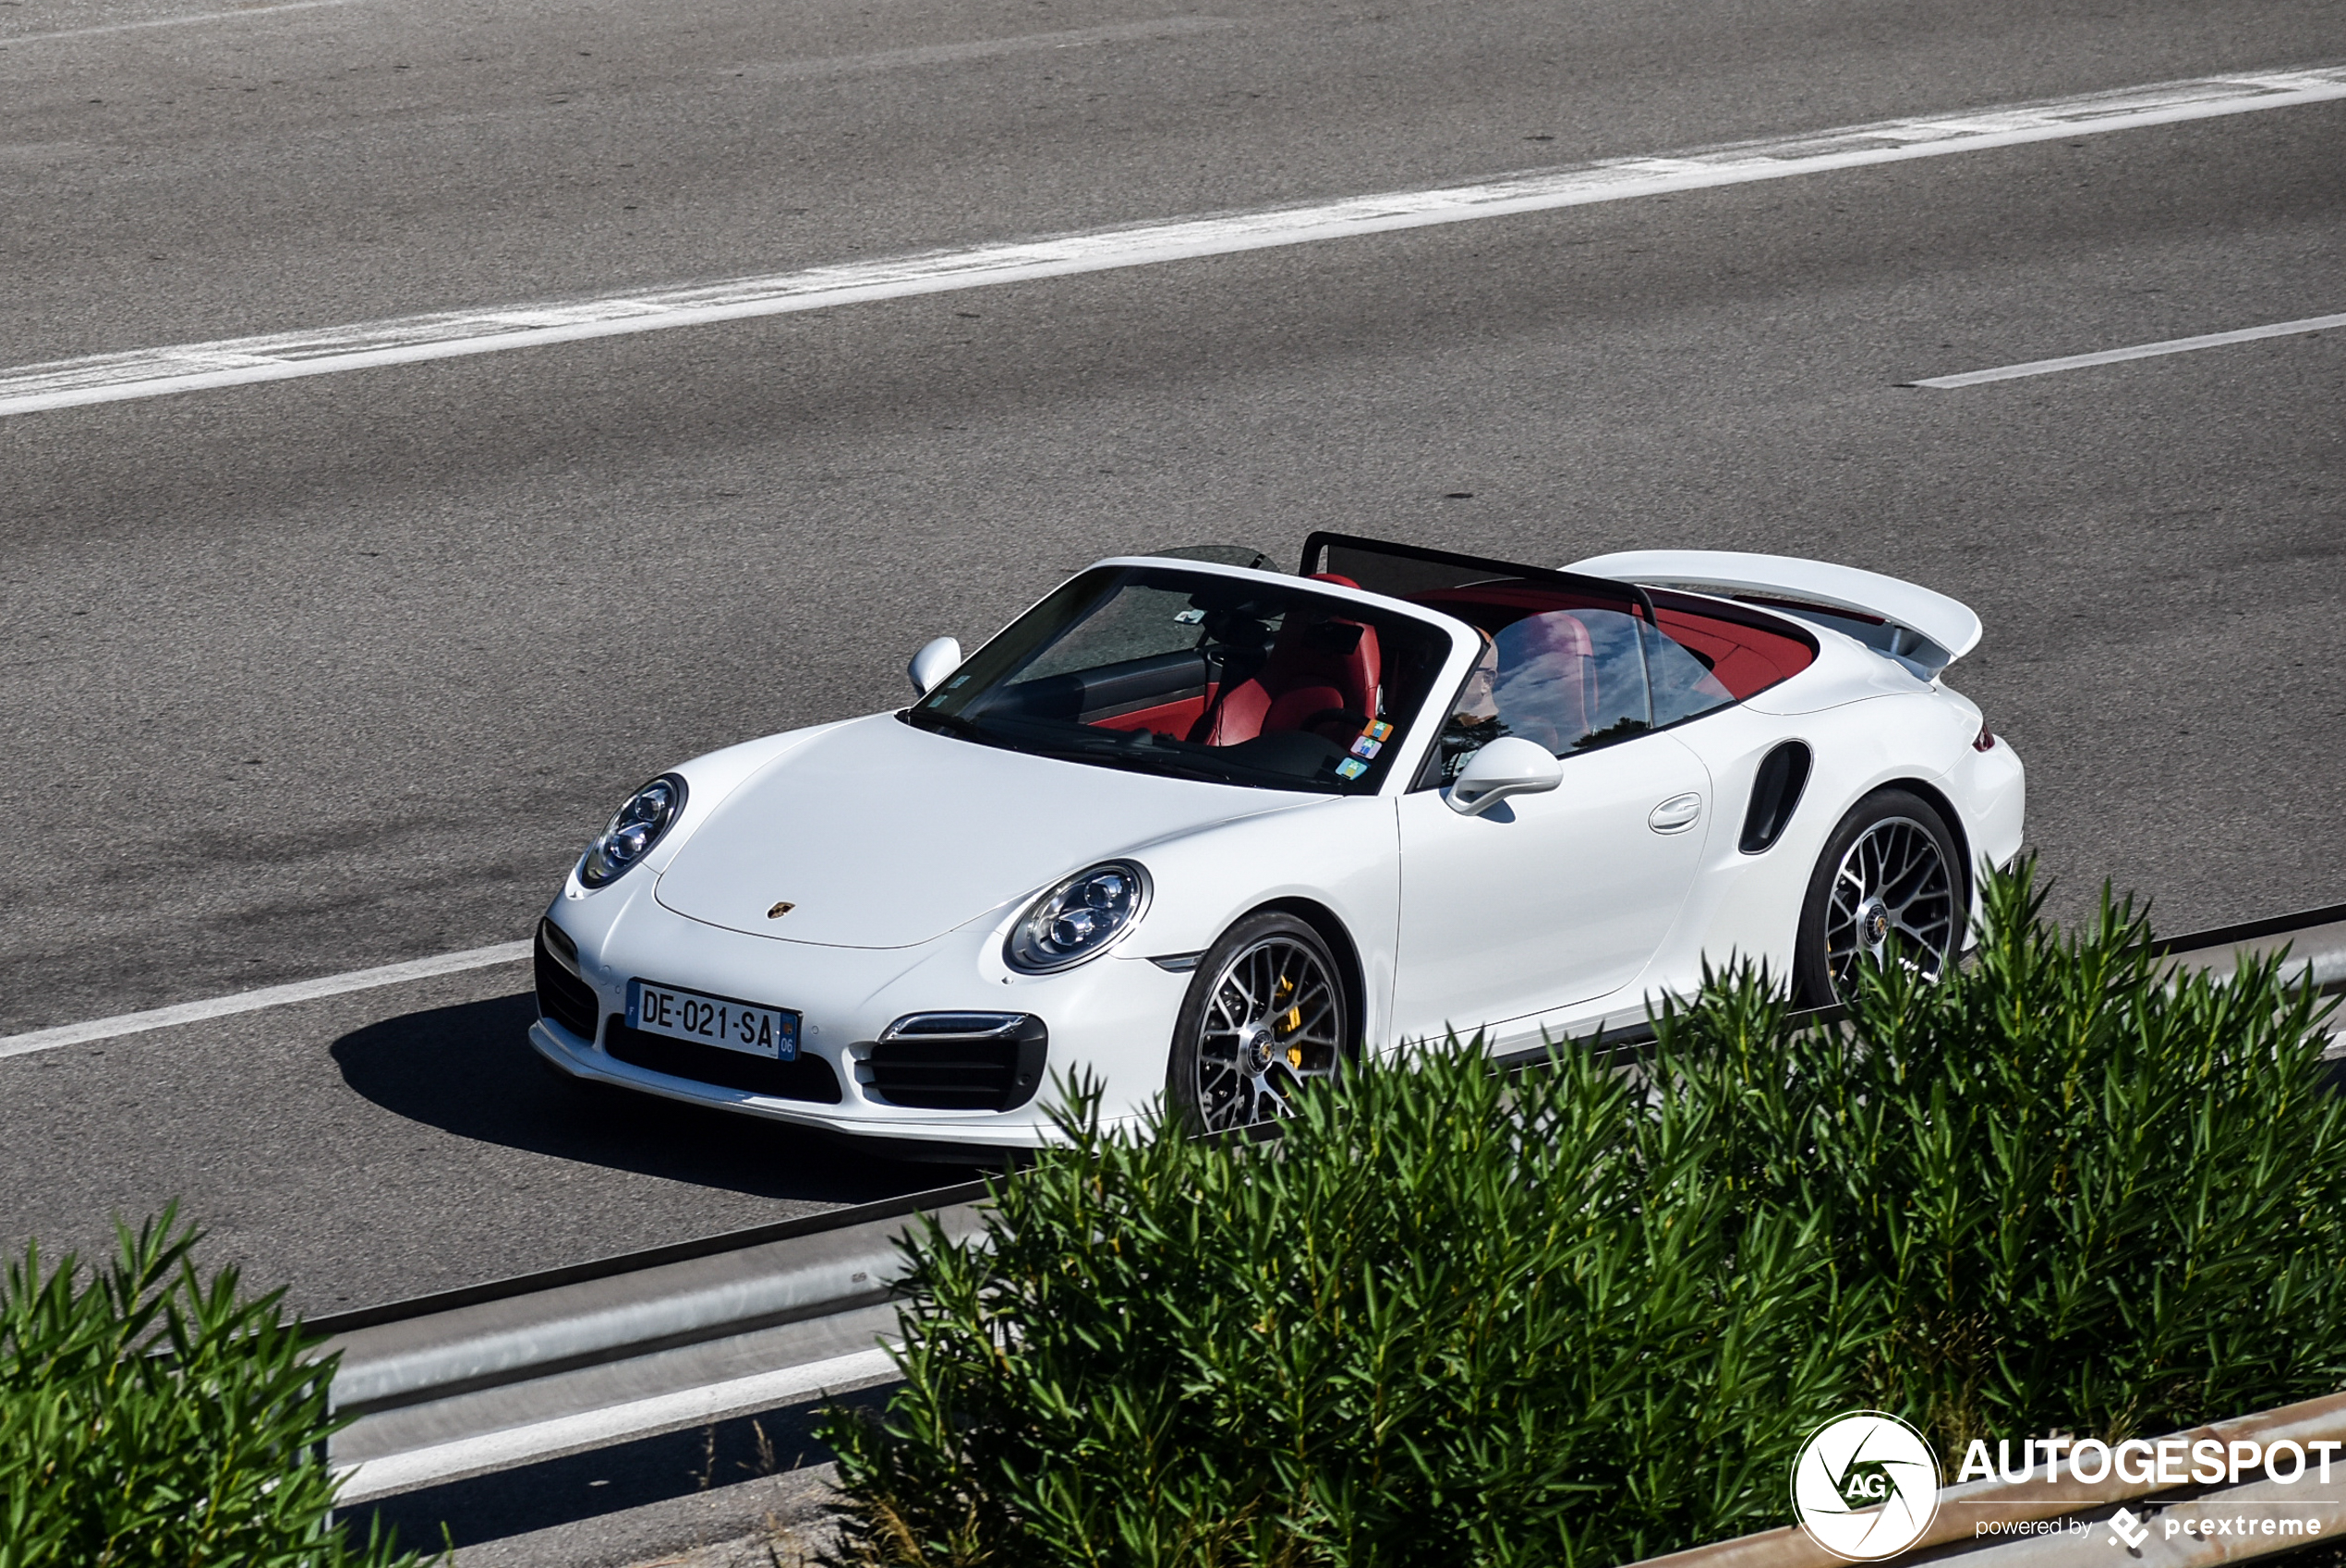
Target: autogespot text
<point>2150,1463</point>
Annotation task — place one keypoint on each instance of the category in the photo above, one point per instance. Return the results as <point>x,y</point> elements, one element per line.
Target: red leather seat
<point>1317,669</point>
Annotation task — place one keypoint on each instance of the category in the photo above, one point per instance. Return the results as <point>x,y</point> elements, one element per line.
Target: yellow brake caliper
<point>1284,992</point>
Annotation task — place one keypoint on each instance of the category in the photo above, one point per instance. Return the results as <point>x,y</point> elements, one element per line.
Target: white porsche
<point>1209,830</point>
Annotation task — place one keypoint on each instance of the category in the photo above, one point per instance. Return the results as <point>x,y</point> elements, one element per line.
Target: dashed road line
<point>143,373</point>
<point>2140,351</point>
<point>240,12</point>
<point>254,1001</point>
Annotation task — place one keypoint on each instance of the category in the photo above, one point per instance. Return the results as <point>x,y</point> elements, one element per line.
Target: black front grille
<point>995,1071</point>
<point>561,996</point>
<point>806,1077</point>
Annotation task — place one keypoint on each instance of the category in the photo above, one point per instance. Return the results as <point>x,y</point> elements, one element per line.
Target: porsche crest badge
<point>779,910</point>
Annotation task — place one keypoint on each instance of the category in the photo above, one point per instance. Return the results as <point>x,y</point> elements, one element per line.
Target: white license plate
<point>712,1021</point>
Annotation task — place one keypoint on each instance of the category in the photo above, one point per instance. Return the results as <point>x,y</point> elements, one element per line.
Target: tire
<point>1890,881</point>
<point>1236,1057</point>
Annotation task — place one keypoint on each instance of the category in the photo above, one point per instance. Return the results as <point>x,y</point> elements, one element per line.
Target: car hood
<point>878,835</point>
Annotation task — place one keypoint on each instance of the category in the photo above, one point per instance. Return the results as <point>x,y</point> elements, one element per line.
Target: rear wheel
<point>1266,1014</point>
<point>1888,885</point>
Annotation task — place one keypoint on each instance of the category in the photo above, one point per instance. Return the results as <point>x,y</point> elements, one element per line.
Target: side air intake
<point>1776,794</point>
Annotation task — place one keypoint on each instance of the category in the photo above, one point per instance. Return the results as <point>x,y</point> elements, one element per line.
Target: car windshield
<point>1234,680</point>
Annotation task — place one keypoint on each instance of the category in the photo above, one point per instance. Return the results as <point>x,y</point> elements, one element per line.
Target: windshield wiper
<point>950,724</point>
<point>1148,762</point>
<point>1143,759</point>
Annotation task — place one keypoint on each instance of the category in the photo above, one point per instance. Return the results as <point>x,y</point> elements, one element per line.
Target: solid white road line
<point>174,21</point>
<point>109,377</point>
<point>982,49</point>
<point>269,996</point>
<point>593,1429</point>
<point>2140,351</point>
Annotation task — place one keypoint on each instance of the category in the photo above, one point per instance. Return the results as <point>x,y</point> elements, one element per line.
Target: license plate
<point>712,1021</point>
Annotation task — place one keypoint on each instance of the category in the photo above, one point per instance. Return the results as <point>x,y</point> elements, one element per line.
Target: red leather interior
<point>1167,719</point>
<point>1314,667</point>
<point>1747,661</point>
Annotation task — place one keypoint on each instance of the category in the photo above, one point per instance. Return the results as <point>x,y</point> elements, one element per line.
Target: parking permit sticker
<point>1351,768</point>
<point>1364,747</point>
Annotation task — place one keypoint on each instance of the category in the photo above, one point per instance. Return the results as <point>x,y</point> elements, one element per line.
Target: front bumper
<point>1110,1021</point>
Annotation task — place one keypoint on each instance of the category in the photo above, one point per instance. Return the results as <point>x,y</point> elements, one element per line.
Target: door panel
<point>1545,901</point>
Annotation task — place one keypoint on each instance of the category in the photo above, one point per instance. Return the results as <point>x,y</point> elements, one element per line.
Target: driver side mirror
<point>1508,766</point>
<point>937,658</point>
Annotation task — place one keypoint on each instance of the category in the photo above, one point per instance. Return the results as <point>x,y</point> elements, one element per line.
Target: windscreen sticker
<point>1379,731</point>
<point>1364,747</point>
<point>1351,768</point>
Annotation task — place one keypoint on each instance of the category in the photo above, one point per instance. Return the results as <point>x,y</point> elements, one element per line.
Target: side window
<point>1570,678</point>
<point>1683,684</point>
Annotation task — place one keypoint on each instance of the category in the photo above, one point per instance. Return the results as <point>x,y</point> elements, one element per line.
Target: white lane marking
<point>982,49</point>
<point>2140,351</point>
<point>141,373</point>
<point>174,21</point>
<point>392,1473</point>
<point>269,996</point>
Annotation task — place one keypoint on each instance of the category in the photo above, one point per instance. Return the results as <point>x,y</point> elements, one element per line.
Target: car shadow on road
<point>469,1070</point>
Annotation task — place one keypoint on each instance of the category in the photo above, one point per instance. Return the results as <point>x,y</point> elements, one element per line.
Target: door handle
<point>1675,814</point>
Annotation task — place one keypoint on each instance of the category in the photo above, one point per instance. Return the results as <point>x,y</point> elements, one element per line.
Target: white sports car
<point>1207,828</point>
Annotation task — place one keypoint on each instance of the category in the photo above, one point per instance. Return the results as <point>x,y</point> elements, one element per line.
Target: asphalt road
<point>303,678</point>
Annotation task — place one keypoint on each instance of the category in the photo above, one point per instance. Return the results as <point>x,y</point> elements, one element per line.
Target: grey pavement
<point>303,678</point>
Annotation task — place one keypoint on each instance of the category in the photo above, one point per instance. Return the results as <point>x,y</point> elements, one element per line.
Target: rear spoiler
<point>1924,630</point>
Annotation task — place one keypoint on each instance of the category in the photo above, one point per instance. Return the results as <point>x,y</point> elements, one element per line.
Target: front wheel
<point>1266,1014</point>
<point>1890,886</point>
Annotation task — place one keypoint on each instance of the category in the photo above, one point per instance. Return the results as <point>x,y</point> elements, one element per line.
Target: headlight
<point>634,831</point>
<point>1080,918</point>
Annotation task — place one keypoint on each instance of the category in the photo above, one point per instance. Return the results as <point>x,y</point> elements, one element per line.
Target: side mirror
<point>1508,766</point>
<point>937,658</point>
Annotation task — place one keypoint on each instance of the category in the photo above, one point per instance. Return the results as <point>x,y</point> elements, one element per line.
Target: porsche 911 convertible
<point>1205,829</point>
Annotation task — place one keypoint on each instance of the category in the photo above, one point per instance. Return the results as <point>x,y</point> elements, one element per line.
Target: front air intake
<point>958,1061</point>
<point>563,997</point>
<point>804,1078</point>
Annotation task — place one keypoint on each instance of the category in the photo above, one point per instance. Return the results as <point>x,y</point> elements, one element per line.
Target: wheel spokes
<point>1890,893</point>
<point>1274,1023</point>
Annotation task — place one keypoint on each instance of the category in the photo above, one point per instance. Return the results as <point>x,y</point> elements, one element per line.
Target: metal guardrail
<point>508,1373</point>
<point>519,1370</point>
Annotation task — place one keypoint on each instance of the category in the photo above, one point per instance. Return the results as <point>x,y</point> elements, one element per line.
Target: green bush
<point>2095,1197</point>
<point>1445,1320</point>
<point>1584,1316</point>
<point>151,1416</point>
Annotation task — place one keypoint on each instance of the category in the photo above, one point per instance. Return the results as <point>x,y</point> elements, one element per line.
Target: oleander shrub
<point>151,1416</point>
<point>1445,1318</point>
<point>2092,1195</point>
<point>1586,1315</point>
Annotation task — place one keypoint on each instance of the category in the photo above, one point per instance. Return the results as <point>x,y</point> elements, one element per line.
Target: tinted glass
<point>1683,684</point>
<point>1228,679</point>
<point>1562,668</point>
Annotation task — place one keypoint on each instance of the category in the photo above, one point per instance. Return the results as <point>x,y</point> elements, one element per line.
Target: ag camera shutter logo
<point>1866,1486</point>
